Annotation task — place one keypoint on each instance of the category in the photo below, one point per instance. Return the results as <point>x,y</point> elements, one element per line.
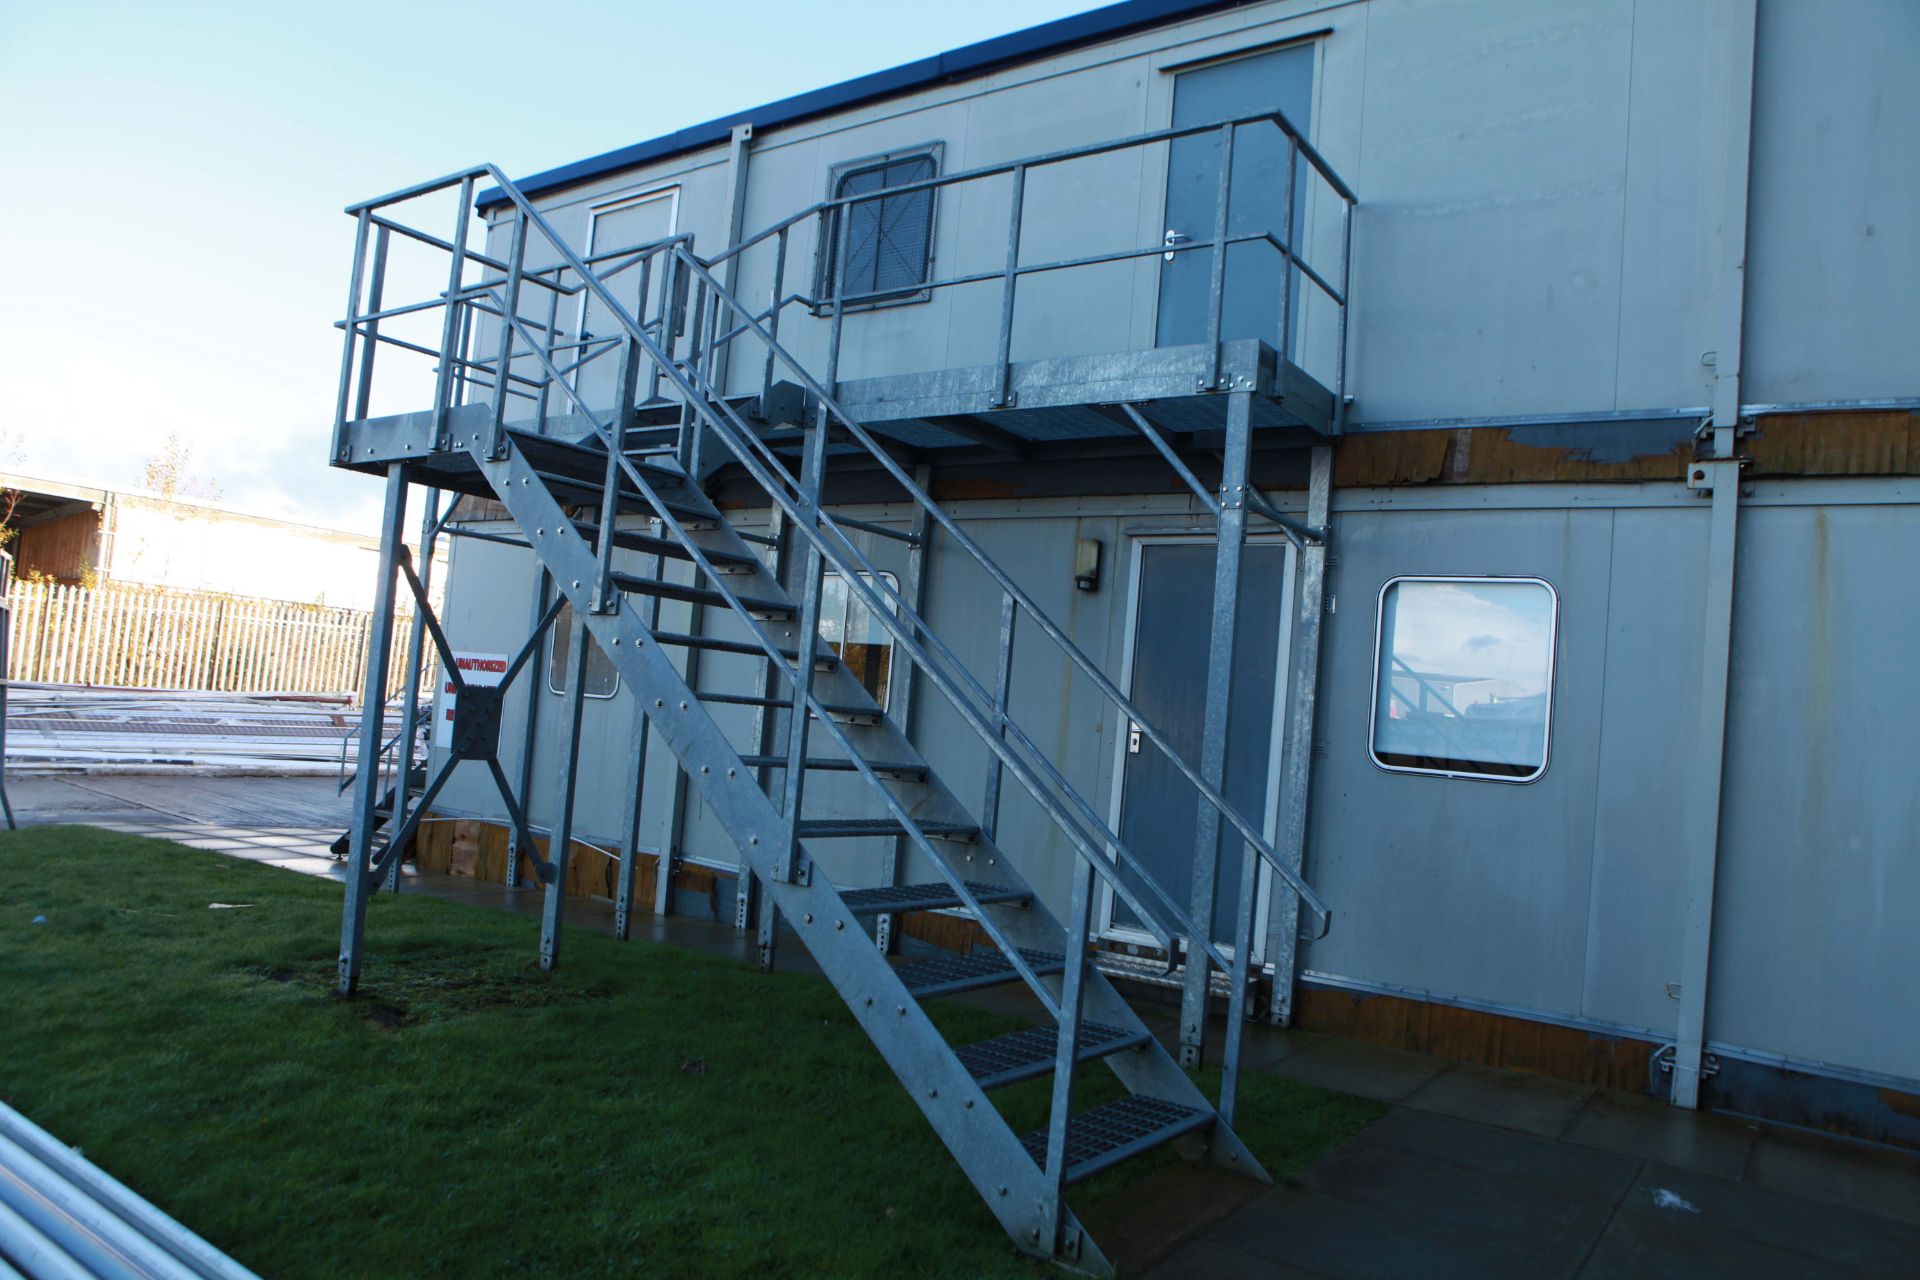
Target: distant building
<point>74,533</point>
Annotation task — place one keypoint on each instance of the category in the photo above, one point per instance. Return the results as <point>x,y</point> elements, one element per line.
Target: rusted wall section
<point>1781,445</point>
<point>463,847</point>
<point>1469,1035</point>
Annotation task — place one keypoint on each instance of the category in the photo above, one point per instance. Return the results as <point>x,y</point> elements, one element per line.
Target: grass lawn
<point>644,1110</point>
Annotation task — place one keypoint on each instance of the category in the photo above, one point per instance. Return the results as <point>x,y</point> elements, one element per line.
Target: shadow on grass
<point>641,1110</point>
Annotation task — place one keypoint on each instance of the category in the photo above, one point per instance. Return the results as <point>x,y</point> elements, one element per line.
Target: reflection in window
<point>1463,678</point>
<point>602,679</point>
<point>849,628</point>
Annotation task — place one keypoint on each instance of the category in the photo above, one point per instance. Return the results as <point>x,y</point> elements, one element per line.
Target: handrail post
<point>773,310</point>
<point>364,223</point>
<point>510,310</point>
<point>1066,1055</point>
<point>1217,277</point>
<point>806,640</point>
<point>605,598</point>
<point>450,323</point>
<point>1009,283</point>
<point>376,292</point>
<point>1231,527</point>
<point>1340,338</point>
<point>1002,686</point>
<point>1285,346</point>
<point>546,384</point>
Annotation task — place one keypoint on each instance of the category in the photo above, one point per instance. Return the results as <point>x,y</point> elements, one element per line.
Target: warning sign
<point>479,671</point>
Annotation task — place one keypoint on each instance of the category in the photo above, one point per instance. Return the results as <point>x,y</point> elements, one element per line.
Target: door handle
<point>1133,738</point>
<point>1172,238</point>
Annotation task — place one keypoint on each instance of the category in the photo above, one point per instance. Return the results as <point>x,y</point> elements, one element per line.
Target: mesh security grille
<point>889,239</point>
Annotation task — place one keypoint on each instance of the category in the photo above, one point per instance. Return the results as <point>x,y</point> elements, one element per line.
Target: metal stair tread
<point>925,897</point>
<point>640,540</point>
<point>545,451</point>
<point>639,584</point>
<point>841,764</point>
<point>701,517</point>
<point>823,660</point>
<point>1105,1136</point>
<point>829,828</point>
<point>860,715</point>
<point>1031,1052</point>
<point>947,975</point>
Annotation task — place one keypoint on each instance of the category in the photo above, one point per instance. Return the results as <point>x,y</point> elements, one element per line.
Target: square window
<point>864,647</point>
<point>889,238</point>
<point>603,681</point>
<point>1463,677</point>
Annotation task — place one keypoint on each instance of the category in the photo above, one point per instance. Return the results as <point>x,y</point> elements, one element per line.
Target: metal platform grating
<point>1008,1059</point>
<point>924,897</point>
<point>944,975</point>
<point>825,828</point>
<point>1103,1137</point>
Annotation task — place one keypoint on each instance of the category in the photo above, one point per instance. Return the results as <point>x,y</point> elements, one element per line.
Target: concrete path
<point>1474,1171</point>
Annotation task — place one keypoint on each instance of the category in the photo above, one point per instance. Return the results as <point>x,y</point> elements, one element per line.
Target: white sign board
<point>481,670</point>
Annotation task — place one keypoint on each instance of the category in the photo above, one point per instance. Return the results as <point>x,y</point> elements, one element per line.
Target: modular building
<point>1556,363</point>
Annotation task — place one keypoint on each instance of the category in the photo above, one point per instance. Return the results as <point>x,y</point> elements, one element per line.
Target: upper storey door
<point>1278,80</point>
<point>622,224</point>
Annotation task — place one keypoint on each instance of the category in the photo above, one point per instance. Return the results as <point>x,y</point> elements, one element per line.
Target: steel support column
<point>366,793</point>
<point>529,732</point>
<point>749,904</point>
<point>6,636</point>
<point>630,838</point>
<point>1700,830</point>
<point>416,664</point>
<point>1231,535</point>
<point>903,678</point>
<point>1296,759</point>
<point>560,844</point>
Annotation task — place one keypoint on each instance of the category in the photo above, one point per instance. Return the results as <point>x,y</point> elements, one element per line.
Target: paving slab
<point>1572,1170</point>
<point>1317,1234</point>
<point>1872,1179</point>
<point>1371,1071</point>
<point>1678,1223</point>
<point>1511,1099</point>
<point>1639,1125</point>
<point>1166,1211</point>
<point>1206,1260</point>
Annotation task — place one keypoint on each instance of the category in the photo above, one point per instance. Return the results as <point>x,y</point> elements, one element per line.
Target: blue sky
<point>172,174</point>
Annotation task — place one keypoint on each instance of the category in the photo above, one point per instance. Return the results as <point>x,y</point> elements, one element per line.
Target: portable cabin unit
<point>1556,363</point>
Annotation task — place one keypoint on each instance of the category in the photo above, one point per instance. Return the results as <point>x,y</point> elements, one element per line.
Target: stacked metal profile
<point>580,481</point>
<point>61,1218</point>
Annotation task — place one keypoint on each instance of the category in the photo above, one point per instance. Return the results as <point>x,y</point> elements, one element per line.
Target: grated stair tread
<point>853,715</point>
<point>948,974</point>
<point>1103,1137</point>
<point>640,540</point>
<point>925,897</point>
<point>586,462</point>
<point>829,828</point>
<point>840,764</point>
<point>644,586</point>
<point>823,660</point>
<point>1009,1059</point>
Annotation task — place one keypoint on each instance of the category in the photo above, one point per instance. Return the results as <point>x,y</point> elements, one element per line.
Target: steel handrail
<point>1047,625</point>
<point>679,374</point>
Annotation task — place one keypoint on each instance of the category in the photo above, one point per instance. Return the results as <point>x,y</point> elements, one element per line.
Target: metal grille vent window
<point>1463,677</point>
<point>889,239</point>
<point>849,628</point>
<point>603,681</point>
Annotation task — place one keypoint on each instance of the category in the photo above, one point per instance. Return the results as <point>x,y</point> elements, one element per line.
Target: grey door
<point>1280,80</point>
<point>1159,807</point>
<point>625,225</point>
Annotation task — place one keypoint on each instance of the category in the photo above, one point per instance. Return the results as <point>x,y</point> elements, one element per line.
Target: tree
<point>166,474</point>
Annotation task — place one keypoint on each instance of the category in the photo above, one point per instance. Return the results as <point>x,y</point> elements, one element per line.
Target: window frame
<point>558,637</point>
<point>1553,674</point>
<point>885,695</point>
<point>823,251</point>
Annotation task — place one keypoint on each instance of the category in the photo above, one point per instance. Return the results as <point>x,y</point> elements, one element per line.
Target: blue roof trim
<point>956,64</point>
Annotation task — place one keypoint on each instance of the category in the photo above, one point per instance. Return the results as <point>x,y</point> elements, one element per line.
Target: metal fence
<point>149,637</point>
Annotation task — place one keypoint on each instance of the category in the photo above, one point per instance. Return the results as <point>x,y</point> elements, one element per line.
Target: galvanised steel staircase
<point>580,482</point>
